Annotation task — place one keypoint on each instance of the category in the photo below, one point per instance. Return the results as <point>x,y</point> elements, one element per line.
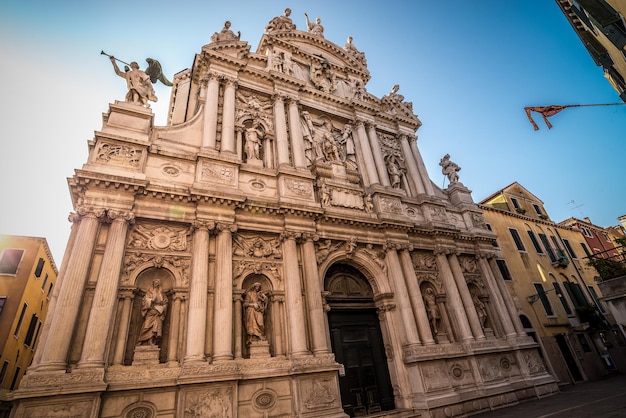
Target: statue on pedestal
<point>153,309</point>
<point>254,304</point>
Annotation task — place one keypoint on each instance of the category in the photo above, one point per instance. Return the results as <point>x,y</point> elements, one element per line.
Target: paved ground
<point>605,398</point>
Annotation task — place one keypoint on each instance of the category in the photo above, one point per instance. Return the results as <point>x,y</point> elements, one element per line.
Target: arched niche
<point>269,321</point>
<point>143,282</point>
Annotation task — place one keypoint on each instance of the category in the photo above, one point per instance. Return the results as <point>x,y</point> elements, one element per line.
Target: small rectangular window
<point>3,371</point>
<point>31,330</point>
<point>3,301</point>
<point>45,280</point>
<point>36,336</point>
<point>582,244</point>
<point>533,239</point>
<point>504,270</point>
<point>606,237</point>
<point>10,260</point>
<point>515,203</point>
<point>575,294</point>
<point>537,209</point>
<point>586,232</point>
<point>544,299</point>
<point>19,321</point>
<point>569,249</point>
<point>50,290</point>
<point>584,343</point>
<point>16,376</point>
<point>555,242</point>
<point>559,293</point>
<point>596,299</point>
<point>39,268</point>
<point>495,241</point>
<point>546,244</point>
<point>518,240</point>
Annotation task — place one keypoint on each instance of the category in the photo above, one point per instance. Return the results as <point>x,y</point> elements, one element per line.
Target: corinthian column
<point>423,174</point>
<point>126,299</point>
<point>295,129</point>
<point>223,318</point>
<point>381,168</point>
<point>466,298</point>
<point>401,294</point>
<point>101,314</point>
<point>196,314</point>
<point>293,294</point>
<point>70,296</point>
<point>415,296</point>
<point>314,297</point>
<point>209,127</point>
<point>280,123</point>
<point>456,305</point>
<point>369,165</point>
<point>228,116</point>
<point>414,177</point>
<point>496,296</point>
<point>172,344</point>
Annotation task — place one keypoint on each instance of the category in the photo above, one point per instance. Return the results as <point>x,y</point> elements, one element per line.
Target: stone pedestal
<point>259,349</point>
<point>442,338</point>
<point>146,355</point>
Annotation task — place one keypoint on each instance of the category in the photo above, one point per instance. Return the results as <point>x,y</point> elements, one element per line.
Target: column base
<point>259,349</point>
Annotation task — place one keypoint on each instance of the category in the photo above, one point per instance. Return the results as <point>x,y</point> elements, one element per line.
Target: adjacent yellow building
<point>27,278</point>
<point>553,287</point>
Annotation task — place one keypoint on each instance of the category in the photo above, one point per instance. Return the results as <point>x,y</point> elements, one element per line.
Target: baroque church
<point>276,250</point>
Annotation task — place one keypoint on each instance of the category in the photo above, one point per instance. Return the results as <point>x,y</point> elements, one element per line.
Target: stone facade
<point>277,249</point>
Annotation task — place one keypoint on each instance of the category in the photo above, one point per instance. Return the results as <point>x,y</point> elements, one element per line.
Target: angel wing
<point>155,72</point>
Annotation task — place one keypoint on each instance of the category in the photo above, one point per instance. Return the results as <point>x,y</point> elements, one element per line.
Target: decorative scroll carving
<point>377,256</point>
<point>390,205</point>
<point>324,248</point>
<point>218,172</point>
<point>118,154</point>
<point>159,237</point>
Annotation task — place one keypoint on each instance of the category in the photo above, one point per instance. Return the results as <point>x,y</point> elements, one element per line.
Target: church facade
<point>276,250</point>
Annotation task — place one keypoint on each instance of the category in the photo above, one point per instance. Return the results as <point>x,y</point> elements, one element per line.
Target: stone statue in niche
<point>254,304</point>
<point>281,23</point>
<point>153,309</point>
<point>432,310</point>
<point>449,169</point>
<point>352,50</point>
<point>315,28</point>
<point>395,175</point>
<point>481,310</point>
<point>324,194</point>
<point>253,142</point>
<point>225,34</point>
<point>348,153</point>
<point>324,142</point>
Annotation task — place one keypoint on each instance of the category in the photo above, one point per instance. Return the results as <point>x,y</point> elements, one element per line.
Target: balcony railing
<point>609,264</point>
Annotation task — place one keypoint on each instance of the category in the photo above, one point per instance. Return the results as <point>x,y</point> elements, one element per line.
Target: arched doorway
<point>357,343</point>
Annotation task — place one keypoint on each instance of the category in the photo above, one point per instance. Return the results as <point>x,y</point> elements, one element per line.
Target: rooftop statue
<point>315,28</point>
<point>352,50</point>
<point>139,83</point>
<point>450,169</point>
<point>281,23</point>
<point>225,34</point>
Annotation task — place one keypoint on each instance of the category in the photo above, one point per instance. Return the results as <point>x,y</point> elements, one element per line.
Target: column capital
<point>445,250</point>
<point>289,234</point>
<point>120,215</point>
<point>310,236</point>
<point>392,246</point>
<point>203,224</point>
<point>230,81</point>
<point>209,76</point>
<point>279,96</point>
<point>85,211</point>
<point>226,226</point>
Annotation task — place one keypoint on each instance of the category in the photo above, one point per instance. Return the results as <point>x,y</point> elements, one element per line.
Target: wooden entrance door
<point>357,343</point>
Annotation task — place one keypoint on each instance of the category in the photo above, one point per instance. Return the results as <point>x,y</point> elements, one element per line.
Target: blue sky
<point>469,67</point>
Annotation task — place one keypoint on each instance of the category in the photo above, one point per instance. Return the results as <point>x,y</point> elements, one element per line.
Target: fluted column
<point>196,312</point>
<point>401,294</point>
<point>172,344</point>
<point>228,116</point>
<point>415,295</point>
<point>66,312</point>
<point>423,173</point>
<point>377,153</point>
<point>466,298</point>
<point>282,141</point>
<point>295,129</point>
<point>368,157</point>
<point>69,249</point>
<point>103,306</point>
<point>293,296</point>
<point>277,319</point>
<point>314,297</point>
<point>496,297</point>
<point>415,182</point>
<point>126,297</point>
<point>223,318</point>
<point>454,298</point>
<point>508,300</point>
<point>209,127</point>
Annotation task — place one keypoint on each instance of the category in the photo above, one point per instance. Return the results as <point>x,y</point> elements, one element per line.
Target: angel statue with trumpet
<point>140,82</point>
